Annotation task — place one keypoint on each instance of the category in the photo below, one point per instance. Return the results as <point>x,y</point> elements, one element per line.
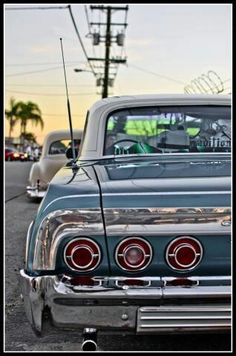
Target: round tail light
<point>133,254</point>
<point>184,253</point>
<point>82,254</point>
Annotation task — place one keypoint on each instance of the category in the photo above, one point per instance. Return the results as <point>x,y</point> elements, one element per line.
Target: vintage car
<point>53,157</point>
<point>11,154</point>
<point>135,236</point>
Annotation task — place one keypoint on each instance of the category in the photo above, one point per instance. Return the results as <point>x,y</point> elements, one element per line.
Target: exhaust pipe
<point>89,339</point>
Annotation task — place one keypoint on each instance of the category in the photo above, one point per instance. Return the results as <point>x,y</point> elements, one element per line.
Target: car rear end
<point>140,242</point>
<point>148,269</point>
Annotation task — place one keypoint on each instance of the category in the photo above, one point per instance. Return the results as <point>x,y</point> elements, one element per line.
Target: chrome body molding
<point>28,240</point>
<point>105,304</point>
<point>163,193</point>
<point>188,221</point>
<point>187,318</point>
<point>167,193</point>
<point>34,192</point>
<point>74,196</point>
<point>62,223</point>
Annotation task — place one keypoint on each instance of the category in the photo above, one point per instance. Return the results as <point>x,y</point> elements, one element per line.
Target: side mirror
<point>69,153</point>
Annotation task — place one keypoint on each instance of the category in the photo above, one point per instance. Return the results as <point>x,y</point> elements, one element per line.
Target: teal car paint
<point>137,236</point>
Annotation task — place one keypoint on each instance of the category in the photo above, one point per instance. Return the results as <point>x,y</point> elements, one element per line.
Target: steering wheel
<point>124,140</point>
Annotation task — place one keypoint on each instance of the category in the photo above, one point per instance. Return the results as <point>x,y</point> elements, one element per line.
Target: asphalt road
<point>19,212</point>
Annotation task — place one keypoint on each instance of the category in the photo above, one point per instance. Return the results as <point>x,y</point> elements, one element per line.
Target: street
<point>19,212</point>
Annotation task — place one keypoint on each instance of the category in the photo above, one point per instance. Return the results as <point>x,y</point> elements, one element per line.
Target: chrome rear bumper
<point>141,310</point>
<point>34,192</point>
<point>183,318</point>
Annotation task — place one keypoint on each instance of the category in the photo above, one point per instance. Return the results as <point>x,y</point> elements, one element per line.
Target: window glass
<point>169,129</point>
<point>59,147</point>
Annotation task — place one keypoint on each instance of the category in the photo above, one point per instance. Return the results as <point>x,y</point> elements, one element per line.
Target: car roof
<point>57,135</point>
<point>162,99</point>
<point>61,134</point>
<point>96,125</point>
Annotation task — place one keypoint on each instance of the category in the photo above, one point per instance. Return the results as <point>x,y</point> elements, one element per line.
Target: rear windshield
<point>58,147</point>
<point>169,129</point>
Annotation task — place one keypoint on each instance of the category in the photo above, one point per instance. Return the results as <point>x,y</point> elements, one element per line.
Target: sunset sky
<point>166,46</point>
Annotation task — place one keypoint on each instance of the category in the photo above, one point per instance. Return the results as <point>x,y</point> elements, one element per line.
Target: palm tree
<point>12,114</point>
<point>29,136</point>
<point>29,112</point>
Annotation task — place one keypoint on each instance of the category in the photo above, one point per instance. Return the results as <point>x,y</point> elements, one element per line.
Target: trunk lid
<point>160,200</point>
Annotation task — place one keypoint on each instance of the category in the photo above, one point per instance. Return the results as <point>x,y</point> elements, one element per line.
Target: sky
<point>166,46</point>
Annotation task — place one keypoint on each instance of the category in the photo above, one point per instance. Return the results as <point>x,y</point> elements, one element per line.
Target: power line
<point>56,115</point>
<point>87,18</point>
<point>80,40</point>
<point>72,17</point>
<point>48,85</point>
<point>157,74</point>
<point>39,64</point>
<point>32,72</point>
<point>35,71</point>
<point>36,8</point>
<point>47,94</point>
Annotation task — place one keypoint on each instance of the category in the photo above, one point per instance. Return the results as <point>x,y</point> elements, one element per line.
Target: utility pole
<point>108,38</point>
<point>107,54</point>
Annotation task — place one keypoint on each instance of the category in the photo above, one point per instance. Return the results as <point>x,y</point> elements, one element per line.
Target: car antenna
<point>74,165</point>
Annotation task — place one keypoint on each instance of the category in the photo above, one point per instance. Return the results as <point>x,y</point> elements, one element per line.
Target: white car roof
<point>92,147</point>
<point>57,135</point>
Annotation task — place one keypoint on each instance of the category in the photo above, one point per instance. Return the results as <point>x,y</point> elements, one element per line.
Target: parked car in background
<point>52,158</point>
<point>23,156</point>
<point>12,154</point>
<point>136,236</point>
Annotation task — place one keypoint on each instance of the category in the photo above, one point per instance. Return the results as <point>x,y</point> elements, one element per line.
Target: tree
<point>12,114</point>
<point>29,136</point>
<point>29,112</point>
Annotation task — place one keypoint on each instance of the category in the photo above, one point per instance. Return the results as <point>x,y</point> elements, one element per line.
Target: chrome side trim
<point>60,224</point>
<point>27,241</point>
<point>201,280</point>
<point>169,193</point>
<point>33,192</point>
<point>71,197</point>
<point>196,292</point>
<point>186,308</point>
<point>197,317</point>
<point>160,221</point>
<point>156,221</point>
<point>137,194</point>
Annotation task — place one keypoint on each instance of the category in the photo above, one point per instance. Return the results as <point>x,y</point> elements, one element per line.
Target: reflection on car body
<point>53,157</point>
<point>137,238</point>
